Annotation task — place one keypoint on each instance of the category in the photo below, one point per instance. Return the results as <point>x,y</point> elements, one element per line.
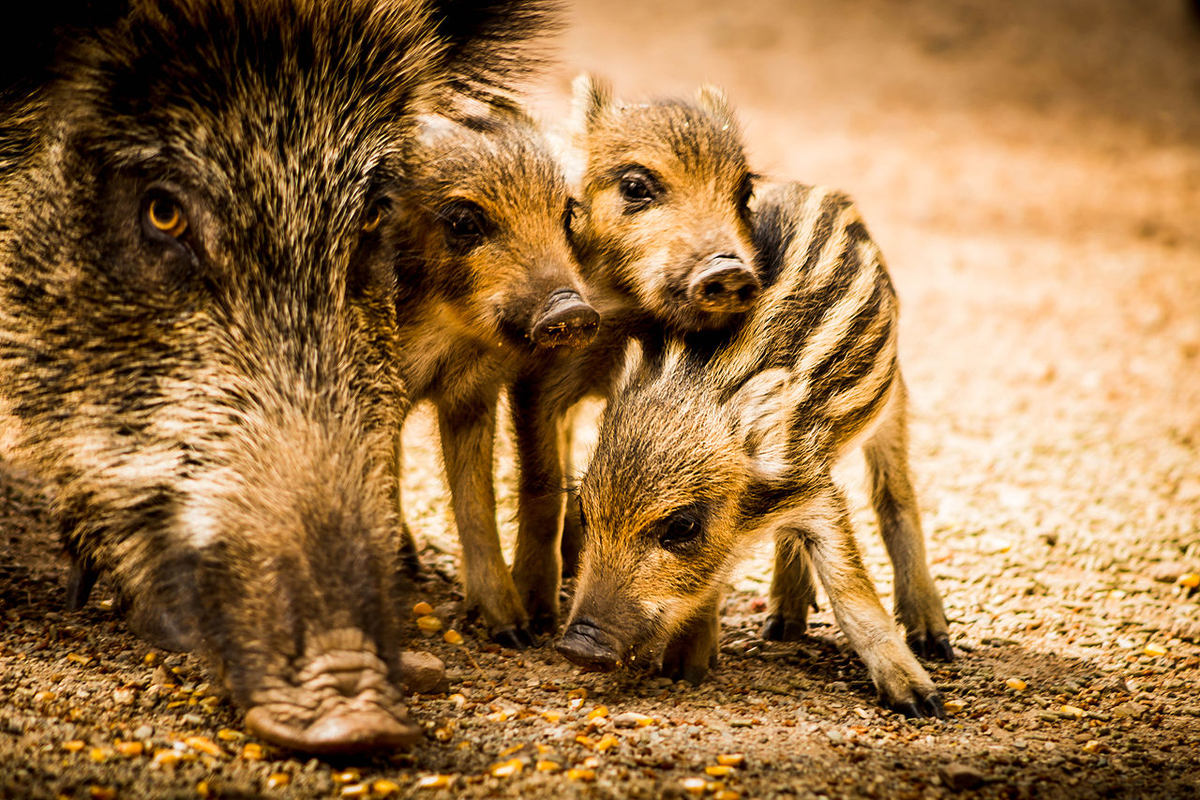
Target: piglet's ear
<point>762,411</point>
<point>591,98</point>
<point>713,100</point>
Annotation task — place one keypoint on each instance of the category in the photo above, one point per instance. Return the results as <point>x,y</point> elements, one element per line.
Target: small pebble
<point>960,777</point>
<point>631,719</point>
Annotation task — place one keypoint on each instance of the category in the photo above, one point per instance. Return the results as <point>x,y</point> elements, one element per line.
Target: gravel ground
<point>1032,171</point>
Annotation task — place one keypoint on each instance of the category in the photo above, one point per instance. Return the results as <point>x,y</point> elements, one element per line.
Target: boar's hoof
<point>514,638</point>
<point>780,629</point>
<point>922,707</point>
<point>936,647</point>
<point>79,585</point>
<point>726,286</point>
<point>566,320</point>
<point>586,645</point>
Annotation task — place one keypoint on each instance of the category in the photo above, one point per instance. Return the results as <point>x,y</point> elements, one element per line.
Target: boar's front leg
<point>537,565</point>
<point>692,652</point>
<point>468,433</point>
<point>793,592</point>
<point>918,604</point>
<point>902,683</point>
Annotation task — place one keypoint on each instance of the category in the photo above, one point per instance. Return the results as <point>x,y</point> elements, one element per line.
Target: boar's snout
<point>724,285</point>
<point>565,320</point>
<point>342,701</point>
<point>587,645</point>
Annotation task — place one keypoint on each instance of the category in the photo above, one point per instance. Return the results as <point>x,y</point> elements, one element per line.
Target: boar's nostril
<point>565,320</point>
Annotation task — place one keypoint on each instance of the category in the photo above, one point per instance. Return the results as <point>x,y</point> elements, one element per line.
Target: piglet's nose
<point>565,320</point>
<point>724,285</point>
<point>586,645</point>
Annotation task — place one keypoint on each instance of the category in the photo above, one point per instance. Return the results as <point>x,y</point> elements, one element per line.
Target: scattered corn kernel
<point>694,785</point>
<point>508,751</point>
<point>574,703</point>
<point>165,758</point>
<point>545,765</point>
<point>552,716</point>
<point>1155,649</point>
<point>129,749</point>
<point>586,741</point>
<point>591,762</point>
<point>731,759</point>
<point>383,787</point>
<point>459,699</point>
<point>1191,580</point>
<point>1072,711</point>
<point>349,776</point>
<point>452,637</point>
<point>429,623</point>
<point>102,793</point>
<point>508,768</point>
<point>719,771</point>
<point>727,794</point>
<point>150,658</point>
<point>356,790</point>
<point>73,746</point>
<point>443,734</point>
<point>422,609</point>
<point>955,706</point>
<point>252,752</point>
<point>278,780</point>
<point>581,774</point>
<point>433,782</point>
<point>78,659</point>
<point>44,697</point>
<point>230,735</point>
<point>607,742</point>
<point>202,789</point>
<point>204,745</point>
<point>497,716</point>
<point>598,711</point>
<point>1092,746</point>
<point>99,754</point>
<point>714,786</point>
<point>1017,684</point>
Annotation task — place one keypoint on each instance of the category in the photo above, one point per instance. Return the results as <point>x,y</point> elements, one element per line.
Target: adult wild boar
<point>196,322</point>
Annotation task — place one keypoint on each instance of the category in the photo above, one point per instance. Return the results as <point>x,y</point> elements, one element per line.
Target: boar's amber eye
<point>165,216</point>
<point>745,192</point>
<point>374,216</point>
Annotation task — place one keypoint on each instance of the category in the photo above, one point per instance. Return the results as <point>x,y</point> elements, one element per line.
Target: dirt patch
<point>1032,172</point>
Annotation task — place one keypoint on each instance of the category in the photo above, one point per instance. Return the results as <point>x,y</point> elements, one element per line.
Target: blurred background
<point>1031,170</point>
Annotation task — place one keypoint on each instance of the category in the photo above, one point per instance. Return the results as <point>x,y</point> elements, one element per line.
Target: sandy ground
<point>1032,171</point>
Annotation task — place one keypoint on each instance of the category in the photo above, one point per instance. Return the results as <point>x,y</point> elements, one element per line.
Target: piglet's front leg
<point>468,435</point>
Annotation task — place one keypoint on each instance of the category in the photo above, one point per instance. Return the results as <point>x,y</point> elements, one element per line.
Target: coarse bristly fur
<point>712,442</point>
<point>196,336</point>
<point>488,285</point>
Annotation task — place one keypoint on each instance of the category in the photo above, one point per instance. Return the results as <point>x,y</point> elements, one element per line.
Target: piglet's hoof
<point>922,708</point>
<point>779,629</point>
<point>933,647</point>
<point>515,638</point>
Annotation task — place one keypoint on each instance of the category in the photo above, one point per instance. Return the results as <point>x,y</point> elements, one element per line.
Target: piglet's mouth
<point>342,702</point>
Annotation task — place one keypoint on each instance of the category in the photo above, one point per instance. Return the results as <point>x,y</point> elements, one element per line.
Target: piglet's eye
<point>374,215</point>
<point>680,530</point>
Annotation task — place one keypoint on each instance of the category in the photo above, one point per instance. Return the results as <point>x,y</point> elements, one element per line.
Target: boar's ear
<point>713,100</point>
<point>31,42</point>
<point>489,43</point>
<point>762,410</point>
<point>590,98</point>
